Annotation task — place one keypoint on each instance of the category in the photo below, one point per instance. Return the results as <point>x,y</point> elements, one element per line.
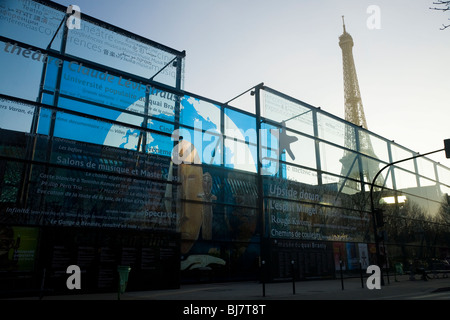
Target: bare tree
<point>444,6</point>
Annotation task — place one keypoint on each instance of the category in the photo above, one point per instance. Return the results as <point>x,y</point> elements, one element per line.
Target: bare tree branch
<point>441,9</point>
<point>446,5</point>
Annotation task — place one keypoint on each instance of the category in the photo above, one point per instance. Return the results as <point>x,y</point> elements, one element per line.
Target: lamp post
<point>372,206</point>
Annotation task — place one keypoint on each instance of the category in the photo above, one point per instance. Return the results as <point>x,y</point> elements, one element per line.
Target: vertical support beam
<point>177,110</point>
<point>222,135</point>
<point>143,144</point>
<point>436,174</point>
<point>358,155</point>
<point>32,140</point>
<point>179,62</point>
<point>263,250</point>
<point>317,148</point>
<point>416,170</point>
<point>57,87</point>
<point>391,159</point>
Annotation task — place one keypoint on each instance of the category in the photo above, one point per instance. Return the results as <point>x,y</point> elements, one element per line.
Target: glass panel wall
<point>338,172</point>
<point>105,138</point>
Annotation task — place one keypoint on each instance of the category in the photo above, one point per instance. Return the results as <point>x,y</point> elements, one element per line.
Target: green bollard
<point>124,271</point>
<point>398,267</point>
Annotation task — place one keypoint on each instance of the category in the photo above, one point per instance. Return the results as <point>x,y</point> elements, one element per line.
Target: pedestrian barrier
<point>124,271</point>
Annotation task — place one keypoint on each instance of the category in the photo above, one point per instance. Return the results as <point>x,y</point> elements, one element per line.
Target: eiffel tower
<point>354,113</point>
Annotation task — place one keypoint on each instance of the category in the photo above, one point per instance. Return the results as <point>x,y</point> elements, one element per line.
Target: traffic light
<point>447,148</point>
<point>379,217</point>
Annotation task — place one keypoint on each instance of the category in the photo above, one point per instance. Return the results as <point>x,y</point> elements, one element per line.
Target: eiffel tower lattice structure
<point>354,113</point>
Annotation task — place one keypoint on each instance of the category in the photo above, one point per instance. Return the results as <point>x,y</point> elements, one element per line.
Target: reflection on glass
<point>399,153</point>
<point>98,86</point>
<point>302,175</point>
<point>334,131</point>
<point>379,146</point>
<point>240,156</point>
<point>303,150</point>
<point>426,168</point>
<point>15,115</point>
<point>200,114</point>
<point>371,167</point>
<point>295,115</point>
<point>404,180</point>
<point>443,174</point>
<point>240,126</point>
<point>14,58</point>
<point>34,23</point>
<point>104,46</point>
<point>331,160</point>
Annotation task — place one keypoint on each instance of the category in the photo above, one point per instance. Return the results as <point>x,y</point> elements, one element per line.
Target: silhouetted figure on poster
<point>190,174</point>
<point>207,196</point>
<point>8,243</point>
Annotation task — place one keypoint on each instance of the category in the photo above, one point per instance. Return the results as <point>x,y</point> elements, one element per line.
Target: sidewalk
<point>400,288</point>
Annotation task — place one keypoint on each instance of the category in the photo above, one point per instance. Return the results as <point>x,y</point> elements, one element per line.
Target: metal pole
<point>387,267</point>
<point>258,85</point>
<point>173,60</point>
<point>41,293</point>
<point>297,115</point>
<point>293,276</point>
<point>361,274</point>
<point>263,250</point>
<point>263,277</point>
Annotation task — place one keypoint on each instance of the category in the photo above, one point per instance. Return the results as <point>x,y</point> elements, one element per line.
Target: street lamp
<point>377,214</point>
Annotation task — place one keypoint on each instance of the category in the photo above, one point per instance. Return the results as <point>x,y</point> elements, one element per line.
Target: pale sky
<point>292,46</point>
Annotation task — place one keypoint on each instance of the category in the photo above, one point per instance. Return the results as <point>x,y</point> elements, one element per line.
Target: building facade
<point>106,161</point>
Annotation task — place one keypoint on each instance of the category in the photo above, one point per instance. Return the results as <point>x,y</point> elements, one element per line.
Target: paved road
<point>400,288</point>
<point>248,300</point>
